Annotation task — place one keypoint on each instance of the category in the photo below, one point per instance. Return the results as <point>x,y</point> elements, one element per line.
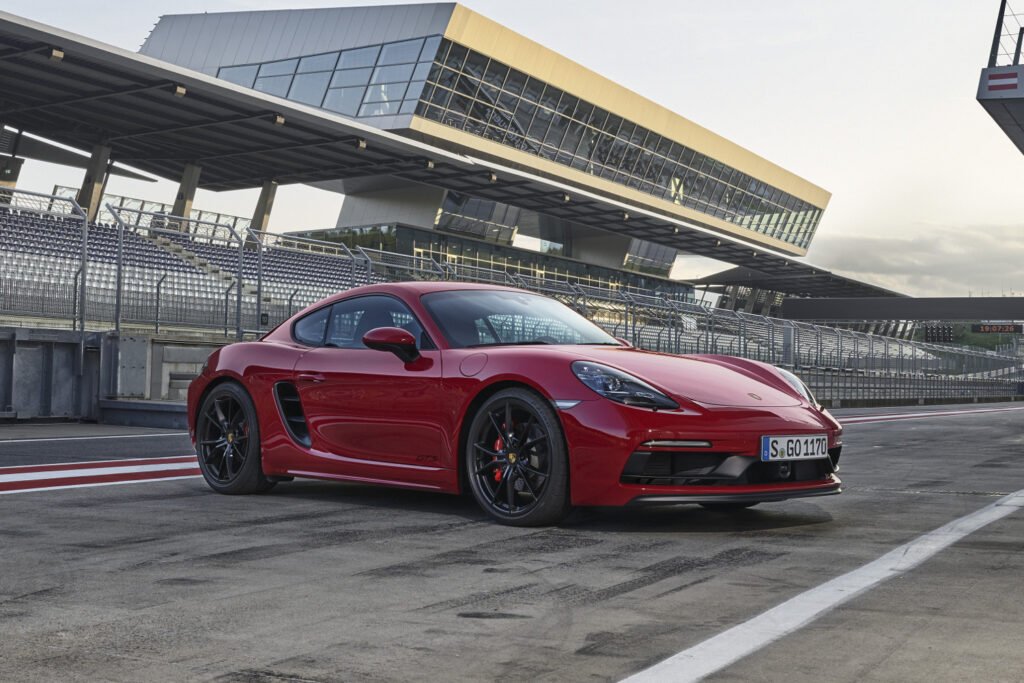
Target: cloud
<point>931,260</point>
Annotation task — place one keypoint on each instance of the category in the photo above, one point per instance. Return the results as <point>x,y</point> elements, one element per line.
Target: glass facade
<point>648,257</point>
<point>375,80</point>
<point>479,218</point>
<point>446,82</point>
<point>469,91</point>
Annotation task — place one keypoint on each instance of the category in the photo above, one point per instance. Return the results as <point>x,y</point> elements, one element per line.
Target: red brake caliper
<point>499,444</point>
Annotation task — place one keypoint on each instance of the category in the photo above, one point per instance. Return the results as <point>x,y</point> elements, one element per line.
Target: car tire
<point>519,477</point>
<point>228,442</point>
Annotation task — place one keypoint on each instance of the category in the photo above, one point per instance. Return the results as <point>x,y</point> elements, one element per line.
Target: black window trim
<point>327,328</point>
<point>323,338</point>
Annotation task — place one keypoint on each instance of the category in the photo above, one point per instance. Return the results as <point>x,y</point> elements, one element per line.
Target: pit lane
<point>163,580</point>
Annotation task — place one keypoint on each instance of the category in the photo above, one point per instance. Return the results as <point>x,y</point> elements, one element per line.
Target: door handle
<point>315,377</point>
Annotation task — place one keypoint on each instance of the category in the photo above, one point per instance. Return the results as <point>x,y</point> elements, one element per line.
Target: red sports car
<point>506,393</point>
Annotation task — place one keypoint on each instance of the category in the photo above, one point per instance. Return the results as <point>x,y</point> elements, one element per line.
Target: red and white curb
<point>27,478</point>
<point>890,417</point>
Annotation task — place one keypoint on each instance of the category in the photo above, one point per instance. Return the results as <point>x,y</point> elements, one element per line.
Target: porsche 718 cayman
<point>509,394</point>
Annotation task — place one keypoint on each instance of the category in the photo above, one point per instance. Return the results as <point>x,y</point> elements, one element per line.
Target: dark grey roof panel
<point>205,42</point>
<point>801,282</point>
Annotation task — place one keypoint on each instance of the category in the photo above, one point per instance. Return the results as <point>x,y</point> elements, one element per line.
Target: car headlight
<point>617,386</point>
<point>799,385</point>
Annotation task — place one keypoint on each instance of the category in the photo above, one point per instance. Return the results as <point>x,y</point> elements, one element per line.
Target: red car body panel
<point>373,418</point>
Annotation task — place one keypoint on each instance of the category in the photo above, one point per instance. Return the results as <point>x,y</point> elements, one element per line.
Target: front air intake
<point>291,409</point>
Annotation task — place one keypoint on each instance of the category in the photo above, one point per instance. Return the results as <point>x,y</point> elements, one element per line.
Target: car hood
<point>708,380</point>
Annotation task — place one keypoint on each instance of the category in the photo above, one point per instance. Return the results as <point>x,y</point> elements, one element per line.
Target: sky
<point>873,100</point>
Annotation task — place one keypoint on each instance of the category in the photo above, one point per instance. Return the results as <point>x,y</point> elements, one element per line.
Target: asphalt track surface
<point>160,579</point>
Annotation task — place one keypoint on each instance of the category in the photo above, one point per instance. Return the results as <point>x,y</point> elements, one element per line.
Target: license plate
<point>803,447</point>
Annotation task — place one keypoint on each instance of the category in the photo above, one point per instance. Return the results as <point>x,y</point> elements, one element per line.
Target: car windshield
<point>481,317</point>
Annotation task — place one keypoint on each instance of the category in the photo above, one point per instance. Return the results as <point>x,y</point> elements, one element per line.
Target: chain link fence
<point>152,272</point>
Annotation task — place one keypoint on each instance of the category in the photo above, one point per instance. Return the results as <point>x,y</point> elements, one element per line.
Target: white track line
<point>730,646</point>
<point>102,483</point>
<point>90,438</point>
<point>890,417</point>
<point>88,464</point>
<point>95,471</point>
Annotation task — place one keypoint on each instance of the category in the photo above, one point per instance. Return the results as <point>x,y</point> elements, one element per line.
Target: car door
<point>365,406</point>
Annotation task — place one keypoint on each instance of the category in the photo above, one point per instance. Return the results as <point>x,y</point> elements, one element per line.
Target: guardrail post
<point>159,287</point>
<point>259,285</point>
<point>709,323</point>
<point>351,269</point>
<point>437,266</point>
<point>119,279</point>
<point>789,339</point>
<point>74,298</point>
<point>238,291</point>
<point>368,262</point>
<point>226,304</point>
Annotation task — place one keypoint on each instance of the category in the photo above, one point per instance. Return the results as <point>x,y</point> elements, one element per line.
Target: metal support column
<point>187,190</point>
<point>91,192</point>
<point>264,205</point>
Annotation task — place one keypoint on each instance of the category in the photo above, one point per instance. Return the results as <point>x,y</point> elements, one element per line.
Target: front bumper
<point>762,496</point>
<point>603,435</point>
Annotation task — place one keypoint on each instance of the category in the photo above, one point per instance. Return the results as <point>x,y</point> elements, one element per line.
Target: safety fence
<point>152,272</point>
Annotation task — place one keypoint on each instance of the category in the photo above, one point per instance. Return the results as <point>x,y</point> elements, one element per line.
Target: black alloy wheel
<point>516,461</point>
<point>228,442</point>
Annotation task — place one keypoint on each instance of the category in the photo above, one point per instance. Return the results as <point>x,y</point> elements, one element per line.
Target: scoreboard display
<point>1000,328</point>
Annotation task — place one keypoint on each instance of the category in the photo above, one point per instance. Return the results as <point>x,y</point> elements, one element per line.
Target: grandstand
<point>186,285</point>
<point>193,276</point>
<point>149,289</point>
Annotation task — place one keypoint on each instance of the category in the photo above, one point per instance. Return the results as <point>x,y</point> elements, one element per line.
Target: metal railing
<point>188,237</point>
<point>208,278</point>
<point>1009,36</point>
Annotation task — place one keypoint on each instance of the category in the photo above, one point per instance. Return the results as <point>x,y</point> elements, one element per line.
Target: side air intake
<point>291,408</point>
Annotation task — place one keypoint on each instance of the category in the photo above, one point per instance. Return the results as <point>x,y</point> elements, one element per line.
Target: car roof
<point>403,290</point>
<point>416,289</point>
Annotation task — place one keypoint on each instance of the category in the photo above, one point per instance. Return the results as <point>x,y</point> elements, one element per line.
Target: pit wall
<point>52,374</point>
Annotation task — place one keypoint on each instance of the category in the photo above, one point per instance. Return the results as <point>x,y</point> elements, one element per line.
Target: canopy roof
<point>158,117</point>
<point>801,282</point>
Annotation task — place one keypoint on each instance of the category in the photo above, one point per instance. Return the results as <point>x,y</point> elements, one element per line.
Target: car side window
<point>310,329</point>
<point>352,319</point>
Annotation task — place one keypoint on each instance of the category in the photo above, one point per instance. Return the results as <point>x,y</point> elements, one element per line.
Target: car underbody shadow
<point>683,519</point>
<point>691,519</point>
